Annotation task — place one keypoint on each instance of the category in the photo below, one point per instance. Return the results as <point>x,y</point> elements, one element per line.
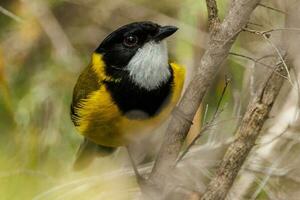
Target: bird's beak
<point>164,32</point>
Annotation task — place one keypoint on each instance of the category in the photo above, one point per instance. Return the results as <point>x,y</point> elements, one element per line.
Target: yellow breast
<point>102,122</point>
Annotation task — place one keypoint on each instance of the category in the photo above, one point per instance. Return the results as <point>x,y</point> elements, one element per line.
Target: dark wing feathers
<point>86,83</point>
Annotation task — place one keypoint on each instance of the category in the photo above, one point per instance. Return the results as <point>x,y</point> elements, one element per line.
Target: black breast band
<point>138,102</point>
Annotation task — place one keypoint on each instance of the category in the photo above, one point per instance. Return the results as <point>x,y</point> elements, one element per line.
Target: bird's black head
<point>121,45</point>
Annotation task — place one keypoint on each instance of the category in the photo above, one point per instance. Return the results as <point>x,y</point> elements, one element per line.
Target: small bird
<point>128,88</point>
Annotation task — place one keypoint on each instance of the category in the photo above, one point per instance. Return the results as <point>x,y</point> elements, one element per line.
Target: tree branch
<point>217,51</point>
<point>253,121</point>
<point>212,12</point>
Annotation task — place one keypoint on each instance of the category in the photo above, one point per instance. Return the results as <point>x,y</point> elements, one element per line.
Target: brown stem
<point>253,120</point>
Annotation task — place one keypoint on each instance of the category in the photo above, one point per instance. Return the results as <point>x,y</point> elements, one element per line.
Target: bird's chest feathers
<point>112,116</point>
<point>108,116</point>
<point>148,68</point>
<point>138,103</point>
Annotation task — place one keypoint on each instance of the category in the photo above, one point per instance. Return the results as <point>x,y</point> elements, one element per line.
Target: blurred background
<point>44,45</point>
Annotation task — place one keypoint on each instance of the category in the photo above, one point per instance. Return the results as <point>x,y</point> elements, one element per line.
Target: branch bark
<point>212,12</point>
<point>220,43</point>
<point>246,135</point>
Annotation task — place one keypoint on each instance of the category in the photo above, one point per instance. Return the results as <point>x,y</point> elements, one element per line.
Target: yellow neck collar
<point>98,66</point>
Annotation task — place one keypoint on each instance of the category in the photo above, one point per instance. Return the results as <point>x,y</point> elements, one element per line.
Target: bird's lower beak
<point>164,32</point>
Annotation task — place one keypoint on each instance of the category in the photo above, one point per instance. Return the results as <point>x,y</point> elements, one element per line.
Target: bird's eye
<point>130,41</point>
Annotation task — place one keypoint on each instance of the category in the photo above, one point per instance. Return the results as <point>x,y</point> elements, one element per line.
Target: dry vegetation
<point>45,44</point>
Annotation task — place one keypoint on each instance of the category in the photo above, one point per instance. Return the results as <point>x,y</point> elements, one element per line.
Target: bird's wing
<point>86,84</point>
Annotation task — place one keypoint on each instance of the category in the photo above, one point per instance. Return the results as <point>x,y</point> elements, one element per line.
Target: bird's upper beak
<point>164,32</point>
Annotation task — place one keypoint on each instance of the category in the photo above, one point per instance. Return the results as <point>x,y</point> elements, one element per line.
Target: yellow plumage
<point>102,122</point>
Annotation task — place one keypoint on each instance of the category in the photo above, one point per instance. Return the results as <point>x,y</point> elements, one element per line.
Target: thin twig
<point>271,30</point>
<point>266,35</point>
<point>296,115</point>
<point>255,24</point>
<point>227,82</point>
<point>271,8</point>
<point>203,130</point>
<point>205,113</point>
<point>281,58</point>
<point>11,15</point>
<point>282,29</point>
<point>257,61</point>
<point>207,124</point>
<point>274,138</point>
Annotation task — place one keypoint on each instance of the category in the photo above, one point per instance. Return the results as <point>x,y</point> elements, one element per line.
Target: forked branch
<point>218,49</point>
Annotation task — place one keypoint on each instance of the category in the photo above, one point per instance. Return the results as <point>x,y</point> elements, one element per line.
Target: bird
<point>129,88</point>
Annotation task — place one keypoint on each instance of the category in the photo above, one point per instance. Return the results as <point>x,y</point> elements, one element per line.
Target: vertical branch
<point>217,51</point>
<point>253,121</point>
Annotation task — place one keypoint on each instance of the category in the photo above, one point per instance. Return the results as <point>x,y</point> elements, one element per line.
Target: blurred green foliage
<point>38,69</point>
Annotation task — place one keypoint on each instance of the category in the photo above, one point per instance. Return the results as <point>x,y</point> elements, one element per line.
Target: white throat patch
<point>149,67</point>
